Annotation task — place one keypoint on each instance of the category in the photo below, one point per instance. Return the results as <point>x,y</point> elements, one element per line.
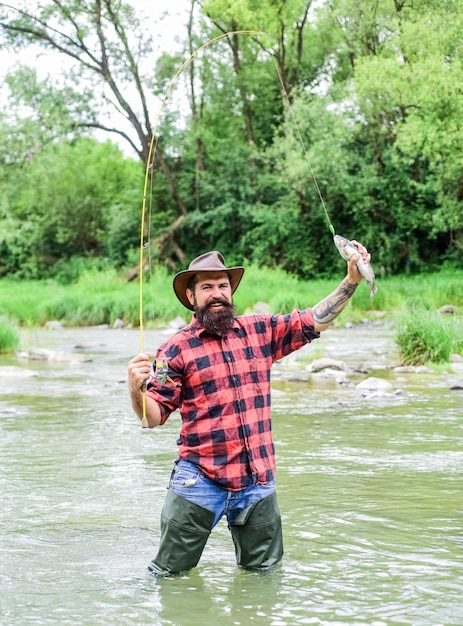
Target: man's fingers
<point>362,251</point>
<point>139,370</point>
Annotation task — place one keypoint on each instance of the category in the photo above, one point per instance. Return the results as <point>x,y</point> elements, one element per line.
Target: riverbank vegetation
<point>428,337</point>
<point>102,297</point>
<point>9,336</point>
<point>376,115</point>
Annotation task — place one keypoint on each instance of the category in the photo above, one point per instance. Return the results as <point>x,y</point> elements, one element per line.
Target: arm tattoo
<point>330,307</point>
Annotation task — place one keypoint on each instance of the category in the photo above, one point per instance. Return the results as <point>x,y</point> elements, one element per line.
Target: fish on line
<point>347,250</point>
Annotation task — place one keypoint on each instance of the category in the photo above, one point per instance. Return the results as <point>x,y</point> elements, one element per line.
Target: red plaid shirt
<point>223,393</point>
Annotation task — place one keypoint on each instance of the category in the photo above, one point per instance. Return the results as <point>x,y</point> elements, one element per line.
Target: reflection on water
<point>370,495</point>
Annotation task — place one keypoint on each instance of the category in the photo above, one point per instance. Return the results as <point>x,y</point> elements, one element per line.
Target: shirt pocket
<point>255,370</point>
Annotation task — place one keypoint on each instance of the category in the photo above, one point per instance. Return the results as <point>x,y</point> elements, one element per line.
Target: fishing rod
<point>144,245</point>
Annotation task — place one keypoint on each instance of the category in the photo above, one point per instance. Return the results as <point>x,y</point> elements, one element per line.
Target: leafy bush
<point>75,204</point>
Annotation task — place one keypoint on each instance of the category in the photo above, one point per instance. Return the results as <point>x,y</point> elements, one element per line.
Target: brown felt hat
<point>208,262</point>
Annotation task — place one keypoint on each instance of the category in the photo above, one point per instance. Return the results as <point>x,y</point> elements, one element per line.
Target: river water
<point>370,492</point>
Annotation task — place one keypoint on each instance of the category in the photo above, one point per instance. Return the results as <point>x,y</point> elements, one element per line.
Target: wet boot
<point>185,529</point>
<point>257,535</point>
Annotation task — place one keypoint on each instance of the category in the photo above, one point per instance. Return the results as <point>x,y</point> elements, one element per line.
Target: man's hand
<point>353,274</point>
<point>139,371</point>
<point>330,307</point>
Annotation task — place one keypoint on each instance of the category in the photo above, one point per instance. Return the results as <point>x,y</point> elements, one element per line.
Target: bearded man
<point>218,377</point>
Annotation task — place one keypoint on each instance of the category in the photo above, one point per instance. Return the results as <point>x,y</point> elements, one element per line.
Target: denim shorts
<point>188,481</point>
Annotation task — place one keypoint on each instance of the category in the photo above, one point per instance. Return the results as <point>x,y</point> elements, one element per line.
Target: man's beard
<point>216,322</point>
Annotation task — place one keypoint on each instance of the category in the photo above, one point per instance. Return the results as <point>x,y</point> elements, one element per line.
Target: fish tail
<point>373,290</point>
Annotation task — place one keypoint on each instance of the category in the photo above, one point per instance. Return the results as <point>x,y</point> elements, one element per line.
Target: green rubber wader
<point>185,529</point>
<point>257,535</point>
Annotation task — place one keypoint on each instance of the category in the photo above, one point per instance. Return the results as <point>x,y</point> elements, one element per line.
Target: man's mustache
<point>221,301</point>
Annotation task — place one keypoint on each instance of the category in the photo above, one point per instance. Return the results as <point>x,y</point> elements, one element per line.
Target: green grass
<point>428,337</point>
<point>102,297</point>
<point>9,337</point>
<point>96,298</point>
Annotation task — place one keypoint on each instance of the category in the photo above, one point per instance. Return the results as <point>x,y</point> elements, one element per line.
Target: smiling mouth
<point>217,304</point>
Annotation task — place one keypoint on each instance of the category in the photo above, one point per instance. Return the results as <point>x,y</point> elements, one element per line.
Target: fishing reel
<point>161,376</point>
<point>161,369</point>
<point>160,372</point>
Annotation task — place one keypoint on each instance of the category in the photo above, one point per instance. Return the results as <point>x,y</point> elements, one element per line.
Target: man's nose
<point>216,291</point>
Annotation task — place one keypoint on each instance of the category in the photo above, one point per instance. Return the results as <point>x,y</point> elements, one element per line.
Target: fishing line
<point>296,125</point>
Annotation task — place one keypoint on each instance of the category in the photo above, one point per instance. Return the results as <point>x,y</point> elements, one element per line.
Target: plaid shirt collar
<point>198,330</point>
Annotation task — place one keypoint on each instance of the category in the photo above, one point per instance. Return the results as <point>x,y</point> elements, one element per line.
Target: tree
<point>105,40</point>
<point>102,39</point>
<point>77,199</point>
<point>400,64</point>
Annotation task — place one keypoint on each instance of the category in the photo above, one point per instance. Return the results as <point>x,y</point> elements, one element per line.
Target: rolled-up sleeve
<point>291,332</point>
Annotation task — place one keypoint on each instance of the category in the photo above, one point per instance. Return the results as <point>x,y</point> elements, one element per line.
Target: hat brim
<point>182,279</point>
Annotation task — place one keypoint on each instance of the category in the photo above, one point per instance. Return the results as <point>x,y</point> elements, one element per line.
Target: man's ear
<point>190,296</point>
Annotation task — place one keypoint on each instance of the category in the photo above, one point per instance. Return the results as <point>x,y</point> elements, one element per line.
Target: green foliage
<point>9,337</point>
<point>428,337</point>
<point>79,199</point>
<point>42,111</point>
<point>414,101</point>
<point>375,123</point>
<point>280,291</point>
